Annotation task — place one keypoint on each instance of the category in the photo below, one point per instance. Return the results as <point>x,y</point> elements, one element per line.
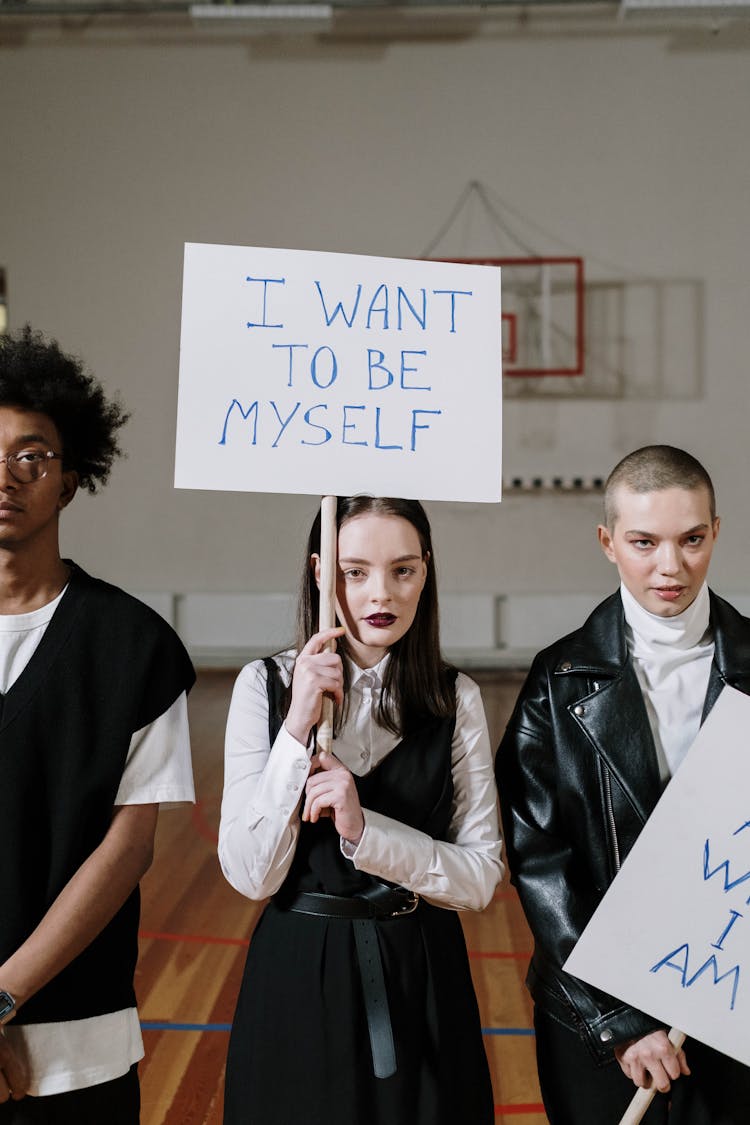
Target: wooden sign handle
<point>643,1098</point>
<point>327,618</point>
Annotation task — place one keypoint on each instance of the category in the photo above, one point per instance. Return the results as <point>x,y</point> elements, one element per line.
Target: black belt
<point>377,902</point>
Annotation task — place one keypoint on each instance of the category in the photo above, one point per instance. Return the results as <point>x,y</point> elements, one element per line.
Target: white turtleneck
<point>672,660</point>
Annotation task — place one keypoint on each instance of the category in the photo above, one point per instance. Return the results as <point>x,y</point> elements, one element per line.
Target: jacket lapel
<point>614,716</point>
<point>615,721</point>
<point>713,691</point>
<point>731,663</point>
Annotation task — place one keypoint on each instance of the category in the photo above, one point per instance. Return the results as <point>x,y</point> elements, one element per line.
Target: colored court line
<point>500,1110</point>
<point>201,825</point>
<point>512,955</point>
<point>209,939</point>
<point>169,1025</point>
<point>200,939</point>
<point>149,1025</point>
<point>519,1107</point>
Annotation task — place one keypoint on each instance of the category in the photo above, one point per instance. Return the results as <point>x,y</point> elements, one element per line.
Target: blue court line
<point>149,1025</point>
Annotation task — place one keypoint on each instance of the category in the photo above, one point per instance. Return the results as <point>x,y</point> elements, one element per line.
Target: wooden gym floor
<point>195,931</point>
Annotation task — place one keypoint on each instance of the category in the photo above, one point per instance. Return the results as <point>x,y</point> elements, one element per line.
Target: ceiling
<point>402,19</point>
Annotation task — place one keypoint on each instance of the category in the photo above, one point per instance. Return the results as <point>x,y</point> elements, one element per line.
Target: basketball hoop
<point>542,314</point>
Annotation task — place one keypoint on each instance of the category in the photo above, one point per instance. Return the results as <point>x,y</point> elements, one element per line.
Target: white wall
<point>630,147</point>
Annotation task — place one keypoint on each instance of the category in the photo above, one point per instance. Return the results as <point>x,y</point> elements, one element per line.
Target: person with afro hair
<point>93,738</point>
<point>37,376</point>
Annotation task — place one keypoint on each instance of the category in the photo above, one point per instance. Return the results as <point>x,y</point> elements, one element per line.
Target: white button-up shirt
<point>264,785</point>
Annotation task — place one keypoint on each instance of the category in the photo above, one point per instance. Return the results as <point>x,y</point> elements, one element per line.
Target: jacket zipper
<point>611,817</point>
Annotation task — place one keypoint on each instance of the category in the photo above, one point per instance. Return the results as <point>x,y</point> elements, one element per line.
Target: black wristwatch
<point>7,1007</point>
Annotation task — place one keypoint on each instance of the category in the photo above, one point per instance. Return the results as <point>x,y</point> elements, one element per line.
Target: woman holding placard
<point>357,1006</point>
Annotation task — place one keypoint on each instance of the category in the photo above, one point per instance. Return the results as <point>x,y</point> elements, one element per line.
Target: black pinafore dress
<point>300,1049</point>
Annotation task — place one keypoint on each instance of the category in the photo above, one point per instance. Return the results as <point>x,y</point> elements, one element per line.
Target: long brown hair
<point>418,684</point>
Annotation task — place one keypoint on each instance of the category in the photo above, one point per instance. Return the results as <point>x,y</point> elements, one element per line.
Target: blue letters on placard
<point>350,426</point>
<point>453,293</point>
<point>292,348</point>
<point>379,382</point>
<point>378,443</point>
<point>404,369</point>
<point>381,294</point>
<point>361,424</point>
<point>688,981</point>
<point>377,365</point>
<point>284,422</point>
<point>339,308</point>
<point>317,425</point>
<point>415,425</point>
<point>265,282</point>
<point>334,367</point>
<point>682,959</point>
<point>252,409</point>
<point>729,884</point>
<point>421,318</point>
<point>304,364</point>
<point>409,314</point>
<point>733,916</point>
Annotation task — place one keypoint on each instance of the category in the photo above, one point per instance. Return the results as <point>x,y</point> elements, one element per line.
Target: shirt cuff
<point>348,849</point>
<point>284,777</point>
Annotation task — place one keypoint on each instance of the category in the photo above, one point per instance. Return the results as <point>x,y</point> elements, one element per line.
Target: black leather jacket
<point>578,778</point>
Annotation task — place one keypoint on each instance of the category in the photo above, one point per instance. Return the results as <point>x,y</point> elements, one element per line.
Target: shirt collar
<point>372,676</point>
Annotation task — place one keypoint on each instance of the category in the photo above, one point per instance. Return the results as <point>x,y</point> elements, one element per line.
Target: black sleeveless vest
<point>413,784</point>
<point>106,667</point>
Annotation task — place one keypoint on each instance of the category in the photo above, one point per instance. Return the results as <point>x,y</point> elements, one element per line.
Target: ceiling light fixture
<point>309,18</point>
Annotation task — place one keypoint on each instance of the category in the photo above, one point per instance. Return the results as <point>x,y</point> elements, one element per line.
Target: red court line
<point>511,955</point>
<point>201,939</point>
<point>509,1110</point>
<point>209,939</point>
<point>201,825</point>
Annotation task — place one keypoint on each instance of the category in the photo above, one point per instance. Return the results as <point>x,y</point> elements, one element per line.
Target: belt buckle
<point>410,906</point>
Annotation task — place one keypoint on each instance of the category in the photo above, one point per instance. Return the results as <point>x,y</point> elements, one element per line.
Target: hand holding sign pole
<point>328,553</point>
<point>636,1111</point>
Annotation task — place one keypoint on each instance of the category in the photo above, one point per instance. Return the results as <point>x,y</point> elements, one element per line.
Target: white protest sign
<point>672,934</point>
<point>309,372</point>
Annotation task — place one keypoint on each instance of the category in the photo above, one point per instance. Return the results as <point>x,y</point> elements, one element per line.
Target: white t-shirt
<point>79,1053</point>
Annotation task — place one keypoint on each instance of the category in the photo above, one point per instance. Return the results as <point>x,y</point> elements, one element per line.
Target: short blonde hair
<point>652,469</point>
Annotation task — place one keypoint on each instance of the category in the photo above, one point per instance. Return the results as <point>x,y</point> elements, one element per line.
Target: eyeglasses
<point>29,465</point>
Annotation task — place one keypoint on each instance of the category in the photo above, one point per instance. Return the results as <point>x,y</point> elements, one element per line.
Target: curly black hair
<point>35,374</point>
